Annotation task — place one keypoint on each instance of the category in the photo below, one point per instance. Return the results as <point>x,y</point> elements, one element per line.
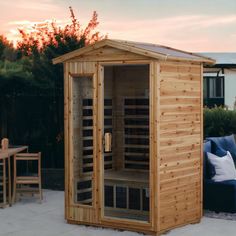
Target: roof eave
<point>79,51</point>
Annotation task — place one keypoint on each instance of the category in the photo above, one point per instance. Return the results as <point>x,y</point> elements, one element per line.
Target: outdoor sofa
<point>218,196</point>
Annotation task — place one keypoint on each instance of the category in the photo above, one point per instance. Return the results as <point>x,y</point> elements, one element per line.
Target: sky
<point>192,25</point>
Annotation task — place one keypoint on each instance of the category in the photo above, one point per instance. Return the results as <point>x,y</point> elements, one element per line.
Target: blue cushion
<point>220,196</point>
<point>208,168</point>
<point>207,146</point>
<point>229,142</point>
<point>217,150</point>
<point>226,143</point>
<point>219,141</point>
<point>230,145</point>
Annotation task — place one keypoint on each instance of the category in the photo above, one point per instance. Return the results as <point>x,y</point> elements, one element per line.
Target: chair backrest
<point>28,157</point>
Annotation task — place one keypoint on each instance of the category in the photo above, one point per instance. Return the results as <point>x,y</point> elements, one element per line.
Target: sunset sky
<point>201,26</point>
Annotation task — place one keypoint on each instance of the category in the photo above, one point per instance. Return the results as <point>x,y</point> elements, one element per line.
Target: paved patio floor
<point>29,218</point>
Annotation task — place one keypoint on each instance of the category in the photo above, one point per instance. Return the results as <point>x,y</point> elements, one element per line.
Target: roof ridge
<point>160,45</point>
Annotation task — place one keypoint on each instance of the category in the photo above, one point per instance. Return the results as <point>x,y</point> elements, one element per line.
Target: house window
<point>216,87</point>
<point>213,91</point>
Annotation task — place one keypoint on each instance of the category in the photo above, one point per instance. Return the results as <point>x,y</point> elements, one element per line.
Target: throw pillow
<point>224,167</point>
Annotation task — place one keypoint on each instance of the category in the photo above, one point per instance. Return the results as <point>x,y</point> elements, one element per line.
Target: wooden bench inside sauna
<point>133,136</point>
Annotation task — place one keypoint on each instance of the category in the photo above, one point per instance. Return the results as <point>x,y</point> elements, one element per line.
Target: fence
<point>37,121</point>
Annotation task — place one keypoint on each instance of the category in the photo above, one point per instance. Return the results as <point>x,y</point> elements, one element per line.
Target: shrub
<point>219,122</point>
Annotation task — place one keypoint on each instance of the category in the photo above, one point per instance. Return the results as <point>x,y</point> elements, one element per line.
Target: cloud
<point>177,23</point>
<point>29,24</point>
<point>42,5</point>
<point>188,32</point>
<point>197,32</point>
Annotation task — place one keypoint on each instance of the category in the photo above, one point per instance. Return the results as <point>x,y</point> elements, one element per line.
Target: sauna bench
<point>127,177</point>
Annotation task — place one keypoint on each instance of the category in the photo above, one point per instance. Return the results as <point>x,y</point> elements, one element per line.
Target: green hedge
<point>219,122</point>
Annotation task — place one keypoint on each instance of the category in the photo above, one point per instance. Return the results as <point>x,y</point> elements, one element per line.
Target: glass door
<point>126,142</point>
<point>83,143</point>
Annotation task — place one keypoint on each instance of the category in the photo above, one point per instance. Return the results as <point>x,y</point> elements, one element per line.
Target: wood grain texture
<point>180,144</point>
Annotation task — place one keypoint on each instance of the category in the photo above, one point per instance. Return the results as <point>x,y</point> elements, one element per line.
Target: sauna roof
<point>146,49</point>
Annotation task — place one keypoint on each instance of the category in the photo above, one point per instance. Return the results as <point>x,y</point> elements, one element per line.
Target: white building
<point>220,80</point>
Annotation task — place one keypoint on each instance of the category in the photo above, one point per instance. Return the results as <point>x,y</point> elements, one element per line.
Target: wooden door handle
<point>107,142</point>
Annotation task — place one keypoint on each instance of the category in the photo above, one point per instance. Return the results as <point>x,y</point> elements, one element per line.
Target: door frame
<point>105,220</point>
<point>73,209</point>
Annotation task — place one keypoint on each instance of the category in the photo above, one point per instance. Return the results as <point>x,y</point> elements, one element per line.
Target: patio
<point>28,218</point>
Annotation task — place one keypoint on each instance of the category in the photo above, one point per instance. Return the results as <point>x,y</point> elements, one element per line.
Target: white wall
<point>230,87</point>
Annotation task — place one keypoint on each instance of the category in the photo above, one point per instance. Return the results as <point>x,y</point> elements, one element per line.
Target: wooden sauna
<point>133,136</point>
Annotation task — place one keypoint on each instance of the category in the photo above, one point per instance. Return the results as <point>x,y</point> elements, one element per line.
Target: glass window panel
<point>216,87</point>
<point>82,118</point>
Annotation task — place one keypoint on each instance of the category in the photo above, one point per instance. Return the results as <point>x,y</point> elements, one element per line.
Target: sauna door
<point>125,131</point>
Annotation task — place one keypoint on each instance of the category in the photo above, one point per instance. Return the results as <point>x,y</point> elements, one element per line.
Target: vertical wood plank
<point>100,128</point>
<point>14,179</point>
<point>9,180</point>
<point>151,144</point>
<point>95,137</point>
<point>66,131</point>
<point>157,144</point>
<point>201,144</point>
<point>4,187</point>
<point>70,142</point>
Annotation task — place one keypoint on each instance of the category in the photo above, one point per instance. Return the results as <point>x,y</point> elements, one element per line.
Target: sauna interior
<point>126,131</point>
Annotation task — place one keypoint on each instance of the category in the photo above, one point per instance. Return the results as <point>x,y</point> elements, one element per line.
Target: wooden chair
<point>20,180</point>
<point>5,183</point>
<point>3,195</point>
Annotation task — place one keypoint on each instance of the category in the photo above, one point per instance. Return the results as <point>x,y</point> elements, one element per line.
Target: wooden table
<point>6,155</point>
